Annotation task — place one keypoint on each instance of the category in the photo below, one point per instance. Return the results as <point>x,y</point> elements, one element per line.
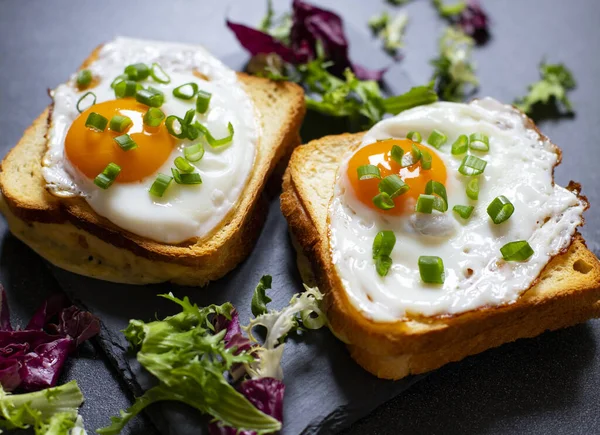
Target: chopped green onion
<point>137,72</point>
<point>183,93</point>
<point>383,201</point>
<point>479,142</point>
<point>125,142</point>
<point>425,204</point>
<point>160,185</point>
<point>383,243</point>
<point>411,158</point>
<point>415,136</point>
<point>473,189</point>
<point>84,97</point>
<point>183,178</point>
<point>472,165</point>
<point>107,177</point>
<point>460,145</point>
<point>153,117</point>
<point>464,211</point>
<point>383,264</point>
<point>173,129</point>
<point>516,251</point>
<point>126,88</point>
<point>431,269</point>
<point>118,79</point>
<point>189,116</point>
<point>96,122</point>
<point>202,101</point>
<point>437,139</point>
<point>425,160</point>
<point>192,132</point>
<point>500,209</point>
<point>393,185</point>
<point>441,200</point>
<point>366,172</point>
<point>396,154</point>
<point>84,78</point>
<point>120,123</point>
<point>211,140</point>
<point>159,75</point>
<point>150,97</point>
<point>183,165</point>
<point>193,153</point>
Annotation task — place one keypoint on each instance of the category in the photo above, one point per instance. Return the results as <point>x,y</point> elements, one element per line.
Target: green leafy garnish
<point>279,323</point>
<point>397,2</point>
<point>417,96</point>
<point>189,360</point>
<point>556,80</point>
<point>279,28</point>
<point>260,298</point>
<point>449,10</point>
<point>49,412</point>
<point>389,30</point>
<point>332,96</point>
<point>454,71</point>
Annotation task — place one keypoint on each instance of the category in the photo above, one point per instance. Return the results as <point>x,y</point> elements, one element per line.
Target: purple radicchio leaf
<point>77,324</point>
<point>42,367</point>
<point>49,308</point>
<point>310,25</point>
<point>475,22</point>
<point>4,311</point>
<point>264,393</point>
<point>9,374</point>
<point>257,42</point>
<point>233,337</point>
<point>33,358</point>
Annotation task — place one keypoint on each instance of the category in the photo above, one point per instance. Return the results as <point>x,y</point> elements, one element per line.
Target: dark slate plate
<point>325,389</point>
<point>545,385</point>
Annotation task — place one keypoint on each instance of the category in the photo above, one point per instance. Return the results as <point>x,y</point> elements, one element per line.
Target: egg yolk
<point>90,151</point>
<point>379,154</point>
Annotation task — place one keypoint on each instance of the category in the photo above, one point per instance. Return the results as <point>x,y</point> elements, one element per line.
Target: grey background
<point>545,385</point>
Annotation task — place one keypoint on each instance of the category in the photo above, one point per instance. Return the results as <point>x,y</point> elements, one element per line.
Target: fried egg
<point>76,154</point>
<point>519,167</point>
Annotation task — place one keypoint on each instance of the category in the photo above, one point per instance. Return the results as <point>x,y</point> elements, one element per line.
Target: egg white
<point>519,166</point>
<point>185,211</point>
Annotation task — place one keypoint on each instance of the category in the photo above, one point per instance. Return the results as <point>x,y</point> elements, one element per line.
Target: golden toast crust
<point>566,292</point>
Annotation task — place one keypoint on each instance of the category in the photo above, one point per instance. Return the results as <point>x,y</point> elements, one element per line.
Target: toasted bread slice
<point>71,235</point>
<point>567,291</point>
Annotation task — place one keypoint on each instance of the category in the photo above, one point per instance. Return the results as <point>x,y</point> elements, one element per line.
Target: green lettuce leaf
<point>417,96</point>
<point>260,298</point>
<point>278,324</point>
<point>189,360</point>
<point>556,80</point>
<point>50,412</point>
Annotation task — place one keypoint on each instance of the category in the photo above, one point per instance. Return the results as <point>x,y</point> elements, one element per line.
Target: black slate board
<point>325,389</point>
<point>547,384</point>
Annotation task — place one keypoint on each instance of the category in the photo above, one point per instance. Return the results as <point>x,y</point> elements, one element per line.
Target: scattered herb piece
<point>260,298</point>
<point>454,71</point>
<point>552,88</point>
<point>390,31</point>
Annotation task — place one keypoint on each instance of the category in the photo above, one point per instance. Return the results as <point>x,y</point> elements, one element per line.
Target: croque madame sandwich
<point>149,165</point>
<point>440,233</point>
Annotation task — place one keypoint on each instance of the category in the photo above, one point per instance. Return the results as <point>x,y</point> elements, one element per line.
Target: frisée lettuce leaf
<point>52,411</point>
<point>189,359</point>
